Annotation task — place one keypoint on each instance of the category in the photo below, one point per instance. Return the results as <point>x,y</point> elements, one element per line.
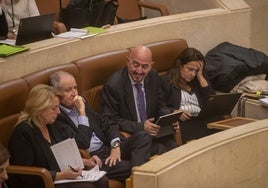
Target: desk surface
<point>230,123</point>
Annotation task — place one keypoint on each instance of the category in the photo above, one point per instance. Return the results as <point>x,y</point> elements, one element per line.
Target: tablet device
<point>165,122</point>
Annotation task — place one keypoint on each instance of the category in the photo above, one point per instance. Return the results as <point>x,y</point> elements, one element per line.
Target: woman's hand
<point>68,174</point>
<point>185,115</point>
<point>92,161</point>
<point>203,82</point>
<point>200,69</point>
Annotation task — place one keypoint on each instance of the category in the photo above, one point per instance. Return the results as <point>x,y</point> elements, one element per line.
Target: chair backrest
<point>51,6</point>
<point>42,76</point>
<point>95,70</point>
<point>128,9</point>
<point>12,99</point>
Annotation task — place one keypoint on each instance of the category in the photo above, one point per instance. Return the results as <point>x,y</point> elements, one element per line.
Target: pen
<point>75,170</point>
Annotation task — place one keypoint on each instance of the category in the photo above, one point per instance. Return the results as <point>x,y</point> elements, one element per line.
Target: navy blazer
<point>118,104</point>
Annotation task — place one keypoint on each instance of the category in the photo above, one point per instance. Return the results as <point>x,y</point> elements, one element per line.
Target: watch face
<point>115,144</point>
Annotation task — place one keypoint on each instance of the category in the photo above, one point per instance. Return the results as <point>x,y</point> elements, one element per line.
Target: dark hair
<point>4,154</point>
<point>187,55</point>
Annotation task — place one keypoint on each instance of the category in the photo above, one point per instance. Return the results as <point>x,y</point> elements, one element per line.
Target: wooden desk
<point>230,123</point>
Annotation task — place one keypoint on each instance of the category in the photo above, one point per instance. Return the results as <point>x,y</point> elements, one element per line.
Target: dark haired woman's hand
<point>203,82</point>
<point>200,70</point>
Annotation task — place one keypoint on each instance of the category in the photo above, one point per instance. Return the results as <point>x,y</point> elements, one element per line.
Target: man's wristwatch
<point>115,144</point>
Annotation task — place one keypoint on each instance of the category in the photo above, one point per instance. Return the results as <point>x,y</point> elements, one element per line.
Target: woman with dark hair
<point>187,89</point>
<point>4,163</point>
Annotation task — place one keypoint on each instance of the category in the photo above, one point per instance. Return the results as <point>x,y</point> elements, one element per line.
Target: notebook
<point>7,50</point>
<point>165,122</point>
<point>219,105</point>
<point>33,29</point>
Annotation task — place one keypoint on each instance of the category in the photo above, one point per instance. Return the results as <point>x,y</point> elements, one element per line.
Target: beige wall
<point>202,29</point>
<point>235,158</point>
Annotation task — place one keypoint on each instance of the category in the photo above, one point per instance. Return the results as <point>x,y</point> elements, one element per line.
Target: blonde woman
<point>31,140</point>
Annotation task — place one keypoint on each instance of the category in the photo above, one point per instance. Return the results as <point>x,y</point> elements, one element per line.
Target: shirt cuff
<point>83,120</point>
<point>115,139</point>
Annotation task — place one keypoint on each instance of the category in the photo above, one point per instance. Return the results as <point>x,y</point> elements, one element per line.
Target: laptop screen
<point>35,28</point>
<point>220,104</point>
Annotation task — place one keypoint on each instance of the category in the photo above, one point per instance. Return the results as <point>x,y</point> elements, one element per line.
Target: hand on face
<point>79,103</point>
<point>200,70</point>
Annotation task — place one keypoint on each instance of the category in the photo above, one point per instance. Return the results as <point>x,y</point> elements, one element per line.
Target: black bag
<point>3,26</point>
<point>83,13</point>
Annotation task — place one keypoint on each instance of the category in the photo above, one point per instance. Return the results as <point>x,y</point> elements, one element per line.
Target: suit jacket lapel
<point>128,95</point>
<point>148,92</point>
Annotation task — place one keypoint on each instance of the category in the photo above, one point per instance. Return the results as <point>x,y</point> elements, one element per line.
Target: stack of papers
<point>7,50</point>
<point>82,33</point>
<point>67,154</point>
<point>87,176</point>
<point>264,101</point>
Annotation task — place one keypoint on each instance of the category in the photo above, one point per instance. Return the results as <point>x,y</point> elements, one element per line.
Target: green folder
<point>7,50</point>
<point>95,30</point>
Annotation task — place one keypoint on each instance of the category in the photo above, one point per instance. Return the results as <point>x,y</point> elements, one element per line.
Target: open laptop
<point>219,105</point>
<point>33,29</point>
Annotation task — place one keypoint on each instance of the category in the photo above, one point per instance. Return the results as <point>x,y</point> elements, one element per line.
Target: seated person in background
<point>4,163</point>
<point>31,140</point>
<point>186,89</point>
<point>3,25</point>
<point>17,10</point>
<point>77,120</point>
<point>120,105</point>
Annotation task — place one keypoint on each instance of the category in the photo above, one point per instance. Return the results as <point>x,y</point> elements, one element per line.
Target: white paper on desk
<point>264,101</point>
<point>8,41</point>
<point>88,176</point>
<point>73,33</point>
<point>67,154</point>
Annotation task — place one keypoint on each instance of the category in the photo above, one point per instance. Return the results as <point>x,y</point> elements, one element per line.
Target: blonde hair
<point>40,98</point>
<point>4,154</point>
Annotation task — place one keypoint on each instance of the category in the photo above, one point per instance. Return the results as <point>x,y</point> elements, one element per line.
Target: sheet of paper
<point>91,175</point>
<point>73,33</point>
<point>67,154</point>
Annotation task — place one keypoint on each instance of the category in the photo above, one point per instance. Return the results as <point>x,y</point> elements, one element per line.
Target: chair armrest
<point>178,138</point>
<point>29,170</point>
<point>84,153</point>
<point>155,6</point>
<point>58,27</point>
<point>124,134</point>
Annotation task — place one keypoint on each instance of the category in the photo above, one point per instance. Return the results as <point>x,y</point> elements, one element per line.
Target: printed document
<point>91,175</point>
<point>67,154</point>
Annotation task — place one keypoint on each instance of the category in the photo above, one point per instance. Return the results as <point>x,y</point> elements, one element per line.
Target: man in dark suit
<point>122,104</point>
<point>91,132</point>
